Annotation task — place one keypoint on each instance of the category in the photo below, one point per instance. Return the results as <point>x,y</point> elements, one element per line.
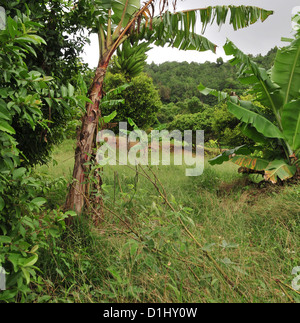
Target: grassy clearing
<point>142,253</point>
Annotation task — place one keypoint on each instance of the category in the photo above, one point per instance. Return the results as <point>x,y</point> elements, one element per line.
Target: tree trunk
<point>77,193</point>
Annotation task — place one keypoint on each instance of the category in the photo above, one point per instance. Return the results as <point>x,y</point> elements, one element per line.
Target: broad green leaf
<point>4,114</point>
<point>54,232</point>
<point>253,134</point>
<point>34,249</point>
<point>208,247</point>
<point>5,239</point>
<point>28,262</point>
<point>84,98</point>
<point>71,90</point>
<point>64,91</point>
<point>4,126</point>
<point>12,27</point>
<point>286,71</point>
<point>279,168</point>
<point>260,123</point>
<point>39,201</point>
<point>291,124</point>
<point>123,10</point>
<point>19,173</point>
<point>264,89</point>
<point>71,213</point>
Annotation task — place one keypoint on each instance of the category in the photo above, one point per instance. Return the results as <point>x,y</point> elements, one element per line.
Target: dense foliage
<point>274,123</point>
<point>179,81</point>
<point>141,103</point>
<point>22,231</point>
<point>58,58</point>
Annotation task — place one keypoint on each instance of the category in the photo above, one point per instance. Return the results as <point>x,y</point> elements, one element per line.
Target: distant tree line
<point>178,81</point>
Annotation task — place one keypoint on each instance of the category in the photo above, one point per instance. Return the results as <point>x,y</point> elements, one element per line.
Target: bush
<point>196,121</point>
<point>225,127</point>
<point>22,229</point>
<point>142,100</point>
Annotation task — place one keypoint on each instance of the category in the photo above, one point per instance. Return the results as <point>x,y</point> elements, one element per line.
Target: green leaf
<point>264,89</point>
<point>229,245</point>
<point>110,117</point>
<point>71,213</point>
<point>5,239</point>
<point>4,113</point>
<point>19,173</point>
<point>26,275</point>
<point>2,18</point>
<point>4,126</point>
<point>207,91</point>
<point>64,91</point>
<point>226,155</point>
<point>39,201</point>
<point>290,119</point>
<point>84,98</point>
<point>260,123</point>
<point>286,71</point>
<point>2,204</point>
<point>71,90</point>
<point>54,232</point>
<point>31,39</point>
<point>34,249</point>
<point>29,261</point>
<point>253,134</point>
<point>12,27</point>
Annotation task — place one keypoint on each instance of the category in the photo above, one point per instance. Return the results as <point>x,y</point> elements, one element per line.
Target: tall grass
<point>142,251</point>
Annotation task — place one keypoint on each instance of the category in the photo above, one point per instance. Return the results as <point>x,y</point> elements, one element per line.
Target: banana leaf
<point>266,91</point>
<point>286,71</point>
<point>253,163</point>
<point>279,168</point>
<point>260,123</point>
<point>226,155</point>
<point>291,124</point>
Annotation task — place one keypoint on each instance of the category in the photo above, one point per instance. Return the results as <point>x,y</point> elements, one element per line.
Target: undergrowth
<point>214,238</point>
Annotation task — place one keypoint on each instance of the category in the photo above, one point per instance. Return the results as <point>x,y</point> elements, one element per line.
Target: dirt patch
<point>248,190</point>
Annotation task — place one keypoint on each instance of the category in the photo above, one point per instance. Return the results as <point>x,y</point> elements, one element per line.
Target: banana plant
<point>274,124</point>
<point>115,22</point>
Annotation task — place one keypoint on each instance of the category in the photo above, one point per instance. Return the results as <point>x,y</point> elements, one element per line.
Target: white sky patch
<point>256,39</point>
<point>295,11</point>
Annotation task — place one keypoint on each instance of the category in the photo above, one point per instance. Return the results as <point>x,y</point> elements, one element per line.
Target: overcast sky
<point>256,39</point>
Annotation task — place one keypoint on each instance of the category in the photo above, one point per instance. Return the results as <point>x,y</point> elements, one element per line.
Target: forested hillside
<point>179,81</point>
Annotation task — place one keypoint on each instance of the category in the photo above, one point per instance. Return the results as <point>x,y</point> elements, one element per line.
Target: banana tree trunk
<point>78,189</point>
